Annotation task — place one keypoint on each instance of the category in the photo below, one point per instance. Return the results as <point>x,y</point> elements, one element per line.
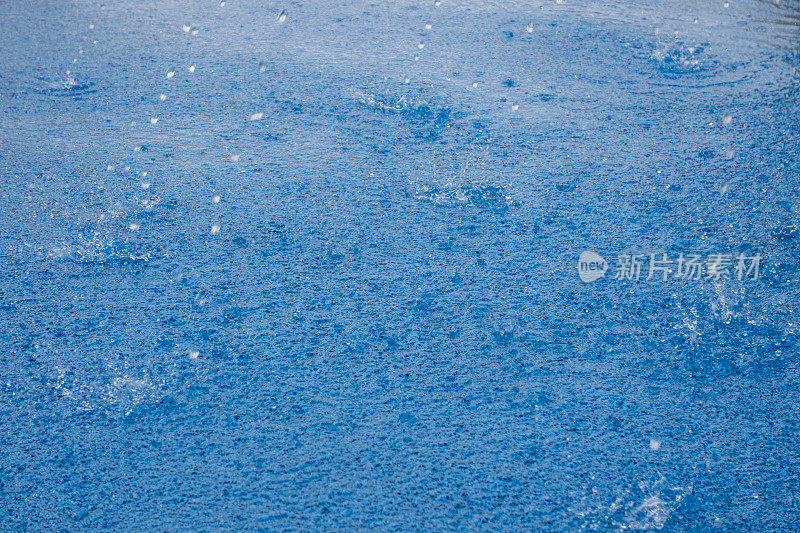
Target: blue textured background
<point>390,328</point>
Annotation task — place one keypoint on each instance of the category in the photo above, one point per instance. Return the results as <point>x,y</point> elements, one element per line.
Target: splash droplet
<point>191,68</point>
<point>216,198</point>
<point>282,16</point>
<point>256,116</point>
<point>171,72</point>
<point>215,229</point>
<point>529,27</point>
<point>133,226</point>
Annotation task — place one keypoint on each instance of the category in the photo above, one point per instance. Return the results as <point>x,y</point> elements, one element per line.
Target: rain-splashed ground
<point>313,265</point>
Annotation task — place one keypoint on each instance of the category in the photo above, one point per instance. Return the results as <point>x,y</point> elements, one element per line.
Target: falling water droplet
<point>162,97</point>
<point>194,354</point>
<point>529,27</point>
<point>421,46</point>
<point>171,72</point>
<point>235,157</point>
<point>475,85</point>
<point>282,16</point>
<point>186,28</point>
<point>91,26</point>
<point>655,444</point>
<point>726,119</point>
<point>257,116</point>
<point>428,26</point>
<point>145,185</point>
<point>514,107</point>
<point>216,198</point>
<point>133,226</point>
<point>195,31</point>
<point>215,229</point>
<point>153,120</point>
<point>191,68</point>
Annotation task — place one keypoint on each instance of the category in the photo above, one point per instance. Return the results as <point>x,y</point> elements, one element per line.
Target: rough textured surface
<point>379,324</point>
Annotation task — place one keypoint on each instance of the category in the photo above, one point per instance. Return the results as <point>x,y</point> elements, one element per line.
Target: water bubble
<point>216,198</point>
<point>256,116</point>
<point>282,16</point>
<point>529,27</point>
<point>171,72</point>
<point>133,226</point>
<point>215,229</point>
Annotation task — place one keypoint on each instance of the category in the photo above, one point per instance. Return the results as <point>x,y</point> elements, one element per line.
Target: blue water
<point>333,286</point>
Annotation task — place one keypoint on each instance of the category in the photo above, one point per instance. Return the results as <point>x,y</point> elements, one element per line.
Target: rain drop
<point>282,16</point>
